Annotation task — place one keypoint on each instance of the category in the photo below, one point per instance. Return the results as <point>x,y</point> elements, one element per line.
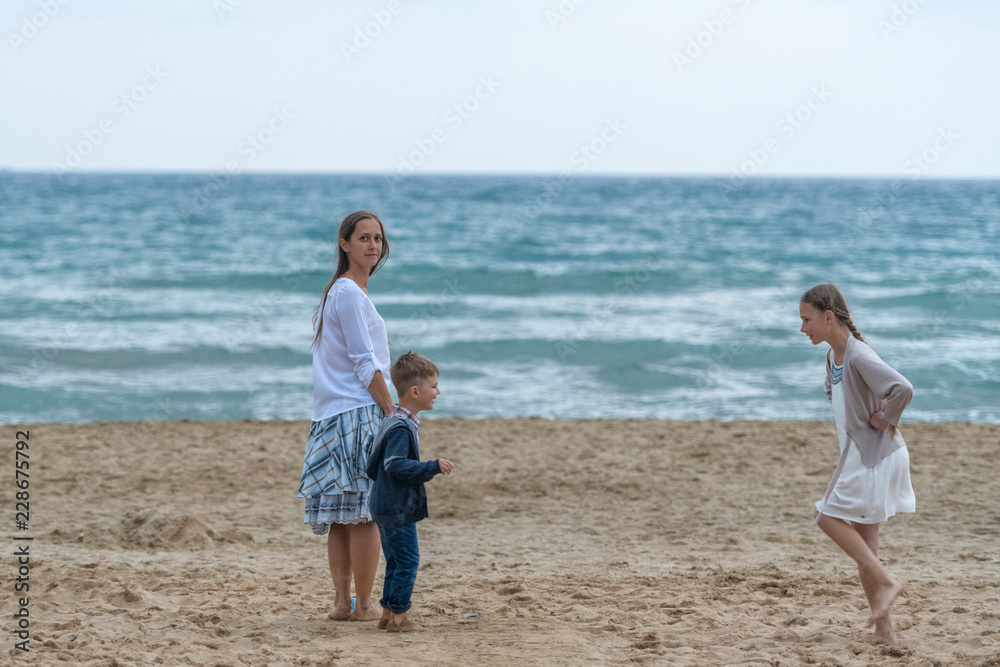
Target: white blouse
<point>354,344</point>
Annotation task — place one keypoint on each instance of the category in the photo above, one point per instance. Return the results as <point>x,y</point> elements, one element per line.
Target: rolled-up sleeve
<point>887,384</point>
<point>351,309</point>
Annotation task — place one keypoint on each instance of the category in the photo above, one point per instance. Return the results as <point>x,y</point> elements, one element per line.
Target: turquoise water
<point>132,297</point>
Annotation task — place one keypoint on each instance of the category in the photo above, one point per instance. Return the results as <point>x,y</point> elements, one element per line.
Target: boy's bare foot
<point>882,601</point>
<point>340,613</point>
<point>366,613</point>
<point>406,626</point>
<point>383,622</point>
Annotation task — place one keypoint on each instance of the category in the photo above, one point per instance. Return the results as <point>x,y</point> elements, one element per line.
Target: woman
<point>350,397</point>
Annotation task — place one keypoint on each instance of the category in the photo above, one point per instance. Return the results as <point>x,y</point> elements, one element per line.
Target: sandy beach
<point>553,543</point>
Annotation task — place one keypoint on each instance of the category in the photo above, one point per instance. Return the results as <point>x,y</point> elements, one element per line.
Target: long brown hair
<point>827,297</point>
<point>344,262</point>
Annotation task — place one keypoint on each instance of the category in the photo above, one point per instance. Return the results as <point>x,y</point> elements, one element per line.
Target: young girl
<point>872,480</point>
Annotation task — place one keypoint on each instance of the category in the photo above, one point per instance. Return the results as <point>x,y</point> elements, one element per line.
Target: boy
<point>398,499</point>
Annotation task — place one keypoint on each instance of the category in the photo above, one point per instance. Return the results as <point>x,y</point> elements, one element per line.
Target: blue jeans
<point>399,544</point>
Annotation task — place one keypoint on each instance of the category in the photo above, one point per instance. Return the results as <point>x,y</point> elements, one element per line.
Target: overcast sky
<point>773,87</point>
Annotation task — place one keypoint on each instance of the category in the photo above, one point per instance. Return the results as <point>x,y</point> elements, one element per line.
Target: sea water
<point>162,297</point>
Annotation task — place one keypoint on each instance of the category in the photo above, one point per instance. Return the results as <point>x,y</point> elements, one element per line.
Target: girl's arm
<point>888,385</point>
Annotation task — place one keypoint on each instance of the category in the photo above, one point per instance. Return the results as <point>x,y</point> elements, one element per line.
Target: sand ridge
<point>572,542</point>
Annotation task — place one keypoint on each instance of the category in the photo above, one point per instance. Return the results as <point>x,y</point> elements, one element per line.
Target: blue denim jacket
<point>397,495</point>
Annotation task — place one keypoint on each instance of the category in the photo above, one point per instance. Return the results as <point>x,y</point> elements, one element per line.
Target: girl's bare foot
<point>370,613</point>
<point>883,637</point>
<point>882,601</point>
<point>883,634</point>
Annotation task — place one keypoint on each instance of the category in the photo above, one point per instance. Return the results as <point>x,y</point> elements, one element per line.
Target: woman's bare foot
<point>370,613</point>
<point>882,601</point>
<point>340,613</point>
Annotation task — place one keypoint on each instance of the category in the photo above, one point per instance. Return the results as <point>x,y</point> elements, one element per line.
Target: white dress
<point>866,495</point>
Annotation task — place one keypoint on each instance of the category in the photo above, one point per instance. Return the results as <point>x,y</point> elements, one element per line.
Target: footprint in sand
<point>510,589</point>
<point>647,642</point>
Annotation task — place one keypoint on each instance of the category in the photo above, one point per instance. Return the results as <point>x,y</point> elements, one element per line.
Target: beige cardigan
<point>869,386</point>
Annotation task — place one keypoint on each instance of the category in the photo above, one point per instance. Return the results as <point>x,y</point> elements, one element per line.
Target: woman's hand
<point>877,422</point>
<point>380,393</point>
<point>445,466</point>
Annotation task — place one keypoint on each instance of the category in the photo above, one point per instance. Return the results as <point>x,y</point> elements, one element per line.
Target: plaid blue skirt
<point>333,481</point>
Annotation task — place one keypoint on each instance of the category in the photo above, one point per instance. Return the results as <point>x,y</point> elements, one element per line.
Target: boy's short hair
<point>410,370</point>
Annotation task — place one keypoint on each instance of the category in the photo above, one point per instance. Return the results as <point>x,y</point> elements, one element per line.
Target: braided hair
<point>827,297</point>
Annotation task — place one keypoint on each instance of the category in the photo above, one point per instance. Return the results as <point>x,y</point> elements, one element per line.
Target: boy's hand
<point>445,466</point>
